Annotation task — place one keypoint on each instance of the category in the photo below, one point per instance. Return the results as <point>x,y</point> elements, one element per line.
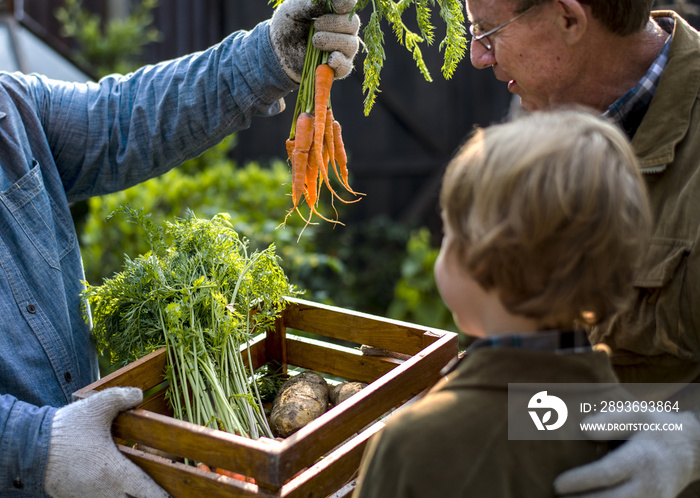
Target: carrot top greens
<point>200,293</point>
<point>454,44</point>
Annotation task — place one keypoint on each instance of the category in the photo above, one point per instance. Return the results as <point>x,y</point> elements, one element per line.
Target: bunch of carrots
<point>316,141</point>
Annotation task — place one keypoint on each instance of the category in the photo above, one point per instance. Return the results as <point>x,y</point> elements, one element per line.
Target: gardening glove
<point>335,33</point>
<point>651,464</point>
<point>83,458</point>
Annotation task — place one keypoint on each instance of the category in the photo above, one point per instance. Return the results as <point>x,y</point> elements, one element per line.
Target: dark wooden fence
<point>397,153</point>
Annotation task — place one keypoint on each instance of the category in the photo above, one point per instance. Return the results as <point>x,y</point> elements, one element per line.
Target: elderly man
<point>642,70</point>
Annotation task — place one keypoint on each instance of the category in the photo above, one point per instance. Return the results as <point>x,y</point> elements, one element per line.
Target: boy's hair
<point>551,211</point>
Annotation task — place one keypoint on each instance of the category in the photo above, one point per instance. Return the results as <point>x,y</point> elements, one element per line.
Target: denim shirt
<point>62,142</point>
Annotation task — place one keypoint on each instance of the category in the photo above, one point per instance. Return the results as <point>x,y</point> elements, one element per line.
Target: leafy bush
<point>372,253</point>
<point>416,297</point>
<point>114,46</point>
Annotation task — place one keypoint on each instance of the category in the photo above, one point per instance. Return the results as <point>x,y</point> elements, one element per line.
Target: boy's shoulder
<point>498,366</point>
<point>456,436</point>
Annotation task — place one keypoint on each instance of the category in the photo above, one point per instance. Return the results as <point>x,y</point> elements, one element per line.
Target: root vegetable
<point>323,81</point>
<point>344,390</point>
<point>300,400</point>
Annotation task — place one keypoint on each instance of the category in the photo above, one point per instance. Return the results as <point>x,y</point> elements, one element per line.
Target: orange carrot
<point>325,157</point>
<point>304,133</point>
<point>329,155</point>
<point>328,137</point>
<point>313,186</point>
<point>300,155</point>
<point>312,177</point>
<point>341,157</point>
<point>298,151</point>
<point>323,81</point>
<point>234,475</point>
<point>290,148</point>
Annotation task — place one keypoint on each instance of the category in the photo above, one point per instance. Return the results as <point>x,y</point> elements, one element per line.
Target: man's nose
<point>480,57</point>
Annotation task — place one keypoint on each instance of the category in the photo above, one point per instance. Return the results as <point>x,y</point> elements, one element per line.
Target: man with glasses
<point>642,70</point>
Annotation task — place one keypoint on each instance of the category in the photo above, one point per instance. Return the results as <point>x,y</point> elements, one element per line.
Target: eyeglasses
<point>483,37</point>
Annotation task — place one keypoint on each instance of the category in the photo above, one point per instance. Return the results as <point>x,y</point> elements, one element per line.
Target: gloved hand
<point>83,459</point>
<point>651,464</point>
<point>335,33</point>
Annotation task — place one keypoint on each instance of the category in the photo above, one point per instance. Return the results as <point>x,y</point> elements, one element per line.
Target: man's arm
<point>123,130</point>
<point>24,444</point>
<point>648,465</point>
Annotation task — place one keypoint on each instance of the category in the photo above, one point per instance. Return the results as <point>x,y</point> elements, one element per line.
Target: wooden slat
<point>156,402</point>
<point>276,344</point>
<point>337,360</point>
<point>339,466</point>
<point>185,481</point>
<point>359,328</point>
<point>148,373</point>
<point>412,377</point>
<point>215,448</point>
<point>145,373</point>
<point>258,352</point>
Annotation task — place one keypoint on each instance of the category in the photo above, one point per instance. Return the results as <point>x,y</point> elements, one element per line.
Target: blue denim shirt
<point>62,142</point>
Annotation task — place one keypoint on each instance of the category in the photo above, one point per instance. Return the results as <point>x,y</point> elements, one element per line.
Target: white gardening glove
<point>84,460</point>
<point>648,465</point>
<point>335,33</point>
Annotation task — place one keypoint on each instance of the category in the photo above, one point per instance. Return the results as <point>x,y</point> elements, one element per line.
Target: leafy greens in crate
<point>201,294</point>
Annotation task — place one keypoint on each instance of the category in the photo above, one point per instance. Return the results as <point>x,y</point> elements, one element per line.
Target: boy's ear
<point>572,20</point>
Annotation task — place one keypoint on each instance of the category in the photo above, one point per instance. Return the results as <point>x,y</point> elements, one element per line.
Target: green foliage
<point>114,47</point>
<point>454,44</point>
<point>372,253</point>
<point>256,198</point>
<point>416,297</point>
<point>374,61</point>
<point>194,270</point>
<point>192,292</point>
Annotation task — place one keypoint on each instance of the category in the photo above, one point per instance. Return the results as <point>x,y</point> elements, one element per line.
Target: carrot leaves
<point>203,295</point>
<point>454,44</point>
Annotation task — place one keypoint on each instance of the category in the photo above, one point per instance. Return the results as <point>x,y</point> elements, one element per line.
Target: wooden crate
<point>319,459</point>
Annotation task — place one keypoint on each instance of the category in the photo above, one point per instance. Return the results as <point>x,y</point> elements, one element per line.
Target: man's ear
<point>572,20</point>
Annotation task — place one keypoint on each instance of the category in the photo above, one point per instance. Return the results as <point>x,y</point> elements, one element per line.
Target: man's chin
<point>529,106</point>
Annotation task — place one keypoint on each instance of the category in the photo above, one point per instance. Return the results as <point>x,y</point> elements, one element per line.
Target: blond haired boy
<point>544,218</point>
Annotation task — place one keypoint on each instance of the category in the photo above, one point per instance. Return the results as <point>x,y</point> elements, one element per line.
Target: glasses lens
<point>478,36</point>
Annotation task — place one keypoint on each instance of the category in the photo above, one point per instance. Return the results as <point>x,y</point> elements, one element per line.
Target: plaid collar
<point>556,341</point>
<point>629,109</point>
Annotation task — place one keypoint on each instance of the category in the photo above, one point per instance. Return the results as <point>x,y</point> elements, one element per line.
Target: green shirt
<point>454,442</point>
<point>659,339</point>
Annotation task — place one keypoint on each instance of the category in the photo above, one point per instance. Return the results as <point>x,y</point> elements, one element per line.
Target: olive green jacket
<point>659,340</point>
<point>454,442</point>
